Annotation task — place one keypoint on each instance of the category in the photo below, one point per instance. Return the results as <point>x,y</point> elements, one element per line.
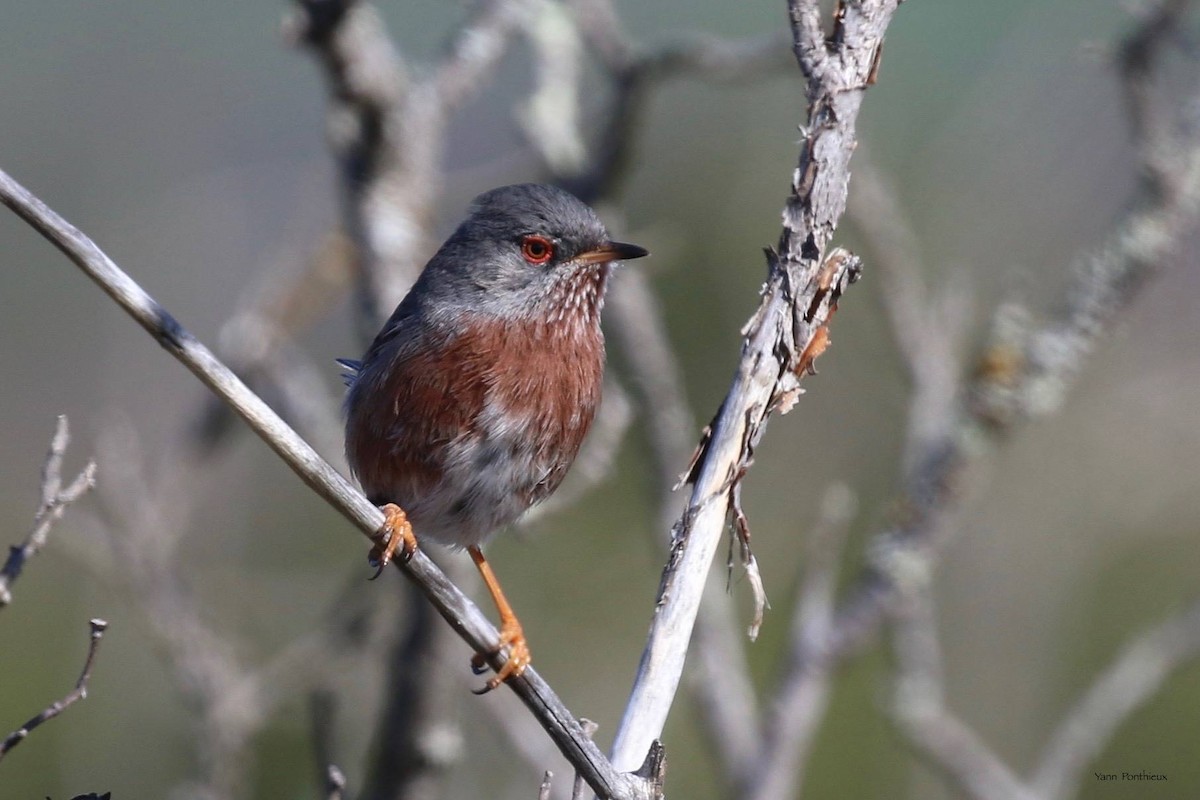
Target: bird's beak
<point>611,251</point>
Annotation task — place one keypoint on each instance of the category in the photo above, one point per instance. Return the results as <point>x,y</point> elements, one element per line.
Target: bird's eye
<point>537,249</point>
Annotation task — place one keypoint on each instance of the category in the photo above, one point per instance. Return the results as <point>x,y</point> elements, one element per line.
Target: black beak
<point>611,251</point>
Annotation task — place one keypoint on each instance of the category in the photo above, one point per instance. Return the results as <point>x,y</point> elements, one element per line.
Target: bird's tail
<point>352,369</point>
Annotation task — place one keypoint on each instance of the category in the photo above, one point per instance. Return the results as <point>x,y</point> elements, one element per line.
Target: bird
<point>473,400</point>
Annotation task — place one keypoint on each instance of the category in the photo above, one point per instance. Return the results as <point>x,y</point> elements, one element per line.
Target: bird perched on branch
<point>474,398</point>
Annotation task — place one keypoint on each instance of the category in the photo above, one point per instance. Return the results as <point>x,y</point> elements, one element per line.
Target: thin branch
<point>97,627</point>
<point>721,678</point>
<point>919,708</point>
<point>376,124</point>
<point>54,502</point>
<point>789,329</point>
<point>1024,372</point>
<point>1135,675</point>
<point>475,49</point>
<point>720,681</point>
<point>928,328</point>
<point>463,615</point>
<point>802,694</point>
<point>290,295</point>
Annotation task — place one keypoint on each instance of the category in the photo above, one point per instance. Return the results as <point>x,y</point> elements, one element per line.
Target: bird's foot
<point>512,636</point>
<point>396,534</point>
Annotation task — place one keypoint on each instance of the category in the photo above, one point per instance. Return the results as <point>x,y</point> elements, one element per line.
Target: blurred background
<point>189,141</point>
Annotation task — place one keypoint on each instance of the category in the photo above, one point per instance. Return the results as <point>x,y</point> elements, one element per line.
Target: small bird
<point>473,400</point>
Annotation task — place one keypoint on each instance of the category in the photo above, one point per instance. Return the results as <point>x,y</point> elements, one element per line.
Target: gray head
<point>523,247</point>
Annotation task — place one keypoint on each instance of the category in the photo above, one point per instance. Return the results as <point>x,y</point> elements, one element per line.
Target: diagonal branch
<point>98,627</point>
<point>1024,372</point>
<point>921,712</point>
<point>1129,682</point>
<point>788,330</point>
<point>467,620</point>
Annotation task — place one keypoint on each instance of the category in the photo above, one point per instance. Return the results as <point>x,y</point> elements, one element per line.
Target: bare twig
<point>802,694</point>
<point>721,678</point>
<point>1024,372</point>
<point>466,618</point>
<point>544,788</point>
<point>475,48</point>
<point>255,342</point>
<point>928,328</point>
<point>920,709</point>
<point>1135,675</point>
<point>54,502</point>
<point>98,627</point>
<point>384,200</point>
<point>789,329</point>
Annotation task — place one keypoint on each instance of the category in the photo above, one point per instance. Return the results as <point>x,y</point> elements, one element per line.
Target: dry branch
<point>54,502</point>
<point>803,286</point>
<point>1135,675</point>
<point>1025,371</point>
<point>466,618</point>
<point>98,627</point>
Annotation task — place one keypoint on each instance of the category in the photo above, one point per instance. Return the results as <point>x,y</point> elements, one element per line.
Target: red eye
<point>537,249</point>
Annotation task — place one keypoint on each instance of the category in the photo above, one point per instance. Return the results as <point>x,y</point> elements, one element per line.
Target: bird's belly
<point>486,483</point>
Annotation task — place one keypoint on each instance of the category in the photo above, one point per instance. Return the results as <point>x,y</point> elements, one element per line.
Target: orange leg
<point>512,635</point>
<point>396,534</point>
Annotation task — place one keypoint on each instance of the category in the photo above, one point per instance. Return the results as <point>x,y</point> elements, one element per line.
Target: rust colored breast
<point>547,381</point>
<point>466,429</point>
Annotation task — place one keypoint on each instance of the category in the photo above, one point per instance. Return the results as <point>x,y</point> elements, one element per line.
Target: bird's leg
<point>396,534</point>
<point>511,633</point>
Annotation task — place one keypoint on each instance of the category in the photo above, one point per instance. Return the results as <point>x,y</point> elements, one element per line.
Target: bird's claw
<point>395,534</point>
<point>513,637</point>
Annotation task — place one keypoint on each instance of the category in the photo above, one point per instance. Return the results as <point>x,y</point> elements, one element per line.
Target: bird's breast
<point>473,426</point>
